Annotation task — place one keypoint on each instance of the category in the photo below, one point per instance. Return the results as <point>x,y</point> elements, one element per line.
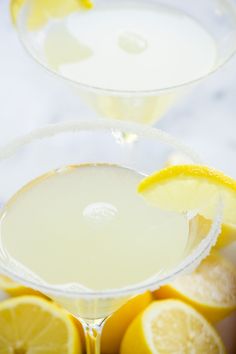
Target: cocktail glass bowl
<point>218,17</point>
<point>55,146</point>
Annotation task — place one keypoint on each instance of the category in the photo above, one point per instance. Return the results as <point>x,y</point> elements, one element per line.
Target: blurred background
<point>31,97</point>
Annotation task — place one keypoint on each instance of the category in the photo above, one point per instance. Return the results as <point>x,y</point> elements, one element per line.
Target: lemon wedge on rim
<point>39,12</point>
<point>183,188</point>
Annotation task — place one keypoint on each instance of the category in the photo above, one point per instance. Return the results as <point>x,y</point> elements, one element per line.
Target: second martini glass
<point>80,233</point>
<point>129,60</point>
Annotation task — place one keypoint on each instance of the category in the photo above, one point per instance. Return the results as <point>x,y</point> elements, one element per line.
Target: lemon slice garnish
<point>41,11</point>
<point>183,188</point>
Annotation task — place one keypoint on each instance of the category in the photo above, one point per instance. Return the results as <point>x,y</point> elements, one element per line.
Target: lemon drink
<point>135,47</point>
<point>122,47</point>
<point>88,225</point>
<point>141,232</point>
<point>60,207</point>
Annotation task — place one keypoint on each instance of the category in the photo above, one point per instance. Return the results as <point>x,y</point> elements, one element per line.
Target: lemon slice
<point>40,11</point>
<point>30,324</point>
<point>228,232</point>
<point>211,288</point>
<point>189,187</point>
<point>170,326</point>
<point>14,289</point>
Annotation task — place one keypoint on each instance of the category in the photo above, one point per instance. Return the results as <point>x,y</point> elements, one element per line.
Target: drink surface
<point>86,224</point>
<point>127,46</point>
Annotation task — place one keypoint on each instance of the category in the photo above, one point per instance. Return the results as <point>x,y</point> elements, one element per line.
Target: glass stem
<point>93,331</point>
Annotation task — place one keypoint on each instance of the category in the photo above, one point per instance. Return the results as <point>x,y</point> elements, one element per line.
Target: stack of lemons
<point>174,319</point>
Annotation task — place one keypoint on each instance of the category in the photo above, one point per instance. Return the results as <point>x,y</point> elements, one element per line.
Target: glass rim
<point>118,92</point>
<point>142,131</point>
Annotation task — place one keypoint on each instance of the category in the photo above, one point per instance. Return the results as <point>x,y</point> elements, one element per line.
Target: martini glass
<point>51,148</point>
<point>130,60</point>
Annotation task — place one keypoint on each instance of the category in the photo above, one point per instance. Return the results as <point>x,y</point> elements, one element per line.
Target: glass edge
<point>142,131</point>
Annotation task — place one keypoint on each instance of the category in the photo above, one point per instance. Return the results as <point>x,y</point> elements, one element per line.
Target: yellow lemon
<point>31,324</point>
<point>190,187</point>
<point>227,236</point>
<point>40,11</point>
<point>14,289</point>
<point>115,327</point>
<point>171,326</point>
<point>211,288</point>
<point>80,329</point>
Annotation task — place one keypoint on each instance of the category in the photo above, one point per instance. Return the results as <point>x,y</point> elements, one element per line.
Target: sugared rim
<point>125,127</point>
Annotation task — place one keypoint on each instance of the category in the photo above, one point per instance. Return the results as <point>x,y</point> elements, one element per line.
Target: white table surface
<point>30,98</point>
